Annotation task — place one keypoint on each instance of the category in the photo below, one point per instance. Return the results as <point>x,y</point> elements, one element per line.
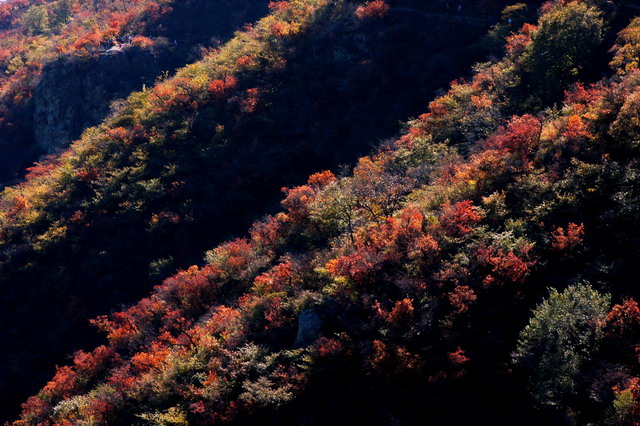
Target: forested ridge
<point>479,267</point>
<point>194,159</point>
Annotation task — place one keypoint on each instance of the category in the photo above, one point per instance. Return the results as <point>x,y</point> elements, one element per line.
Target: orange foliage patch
<point>373,9</point>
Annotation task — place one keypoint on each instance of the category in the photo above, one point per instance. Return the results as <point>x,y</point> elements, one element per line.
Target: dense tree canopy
<point>479,268</point>
<point>563,334</point>
<point>564,45</point>
<point>185,163</point>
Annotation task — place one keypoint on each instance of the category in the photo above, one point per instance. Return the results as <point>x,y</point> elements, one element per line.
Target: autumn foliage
<point>373,9</point>
<point>479,266</point>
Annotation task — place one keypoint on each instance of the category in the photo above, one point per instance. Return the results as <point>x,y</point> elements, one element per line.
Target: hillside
<point>478,269</point>
<point>182,165</point>
<point>62,62</point>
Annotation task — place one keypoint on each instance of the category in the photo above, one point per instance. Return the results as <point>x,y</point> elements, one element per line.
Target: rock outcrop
<point>75,93</point>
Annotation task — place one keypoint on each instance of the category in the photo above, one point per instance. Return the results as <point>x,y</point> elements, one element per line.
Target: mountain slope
<point>182,165</point>
<point>62,62</point>
<point>401,293</point>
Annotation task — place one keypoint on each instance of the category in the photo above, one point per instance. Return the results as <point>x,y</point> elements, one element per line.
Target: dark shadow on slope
<point>344,88</point>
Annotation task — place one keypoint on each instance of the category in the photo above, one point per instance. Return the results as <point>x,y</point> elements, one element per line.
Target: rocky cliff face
<point>74,94</point>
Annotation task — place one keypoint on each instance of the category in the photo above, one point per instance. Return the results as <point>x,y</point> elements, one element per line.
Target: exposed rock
<point>309,324</point>
<point>75,93</point>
